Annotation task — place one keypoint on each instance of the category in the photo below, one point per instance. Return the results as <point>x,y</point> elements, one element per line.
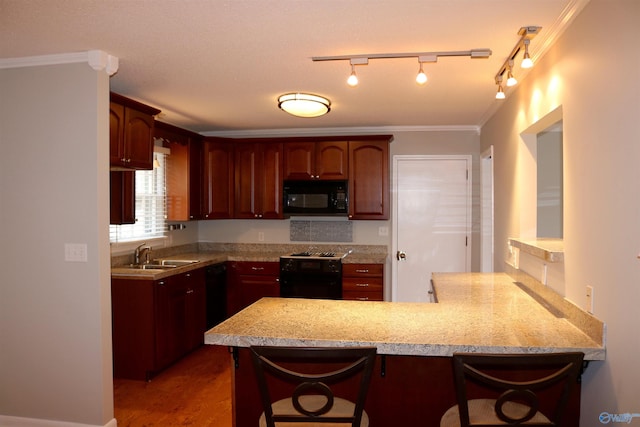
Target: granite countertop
<point>477,312</point>
<point>215,257</point>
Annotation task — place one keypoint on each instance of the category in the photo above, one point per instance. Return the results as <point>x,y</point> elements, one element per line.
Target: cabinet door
<point>116,134</point>
<point>177,181</point>
<point>247,178</point>
<point>138,132</point>
<point>171,303</point>
<point>270,190</point>
<point>196,180</point>
<point>332,160</point>
<point>316,160</point>
<point>299,160</point>
<point>132,313</point>
<point>196,309</point>
<point>368,180</point>
<point>247,282</point>
<point>217,180</point>
<point>258,180</point>
<point>123,197</point>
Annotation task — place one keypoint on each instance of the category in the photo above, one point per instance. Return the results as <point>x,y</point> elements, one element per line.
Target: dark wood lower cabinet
<point>404,391</point>
<point>247,282</point>
<point>156,322</point>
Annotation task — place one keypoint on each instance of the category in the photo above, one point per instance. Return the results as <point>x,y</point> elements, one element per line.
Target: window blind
<point>151,205</point>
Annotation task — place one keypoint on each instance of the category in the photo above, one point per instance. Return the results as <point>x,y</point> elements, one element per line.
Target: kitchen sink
<point>152,266</point>
<point>174,262</point>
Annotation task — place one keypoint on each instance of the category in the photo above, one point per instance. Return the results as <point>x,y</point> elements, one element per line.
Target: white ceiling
<point>218,66</point>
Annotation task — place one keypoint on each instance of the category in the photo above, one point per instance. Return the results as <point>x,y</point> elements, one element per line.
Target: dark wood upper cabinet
<point>258,180</point>
<point>217,179</point>
<point>182,184</point>
<point>369,179</point>
<point>316,160</point>
<point>131,126</point>
<point>123,197</point>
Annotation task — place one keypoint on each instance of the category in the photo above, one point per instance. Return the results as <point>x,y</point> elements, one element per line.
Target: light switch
<point>75,252</point>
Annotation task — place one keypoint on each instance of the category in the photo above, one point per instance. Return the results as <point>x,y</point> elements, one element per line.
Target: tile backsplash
<point>320,231</point>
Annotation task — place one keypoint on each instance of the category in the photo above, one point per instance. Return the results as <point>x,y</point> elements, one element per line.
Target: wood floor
<point>196,391</point>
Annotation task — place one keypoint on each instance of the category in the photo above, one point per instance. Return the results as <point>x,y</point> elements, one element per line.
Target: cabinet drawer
<point>361,284</point>
<point>257,268</point>
<point>360,270</point>
<point>362,296</point>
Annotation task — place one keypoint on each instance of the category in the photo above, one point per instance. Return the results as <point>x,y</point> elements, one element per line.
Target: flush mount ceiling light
<point>526,34</point>
<point>421,78</point>
<point>304,104</point>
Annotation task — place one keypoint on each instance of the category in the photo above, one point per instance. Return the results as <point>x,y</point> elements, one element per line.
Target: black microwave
<point>315,198</point>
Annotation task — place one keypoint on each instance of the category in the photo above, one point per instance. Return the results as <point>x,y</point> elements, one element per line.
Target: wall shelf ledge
<point>550,250</point>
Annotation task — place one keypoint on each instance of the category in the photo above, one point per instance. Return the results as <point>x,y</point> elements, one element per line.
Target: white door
<point>431,222</point>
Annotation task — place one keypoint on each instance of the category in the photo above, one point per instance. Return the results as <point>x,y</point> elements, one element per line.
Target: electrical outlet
<point>383,231</point>
<point>260,236</point>
<point>590,299</point>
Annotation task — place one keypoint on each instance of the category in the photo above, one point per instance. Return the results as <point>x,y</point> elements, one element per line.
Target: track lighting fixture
<point>526,34</point>
<point>421,78</point>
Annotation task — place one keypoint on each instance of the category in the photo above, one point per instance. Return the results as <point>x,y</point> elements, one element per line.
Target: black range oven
<point>311,275</point>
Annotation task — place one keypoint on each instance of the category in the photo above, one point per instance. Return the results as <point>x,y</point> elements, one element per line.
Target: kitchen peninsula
<point>413,384</point>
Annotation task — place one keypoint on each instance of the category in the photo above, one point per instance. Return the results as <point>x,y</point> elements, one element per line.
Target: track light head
<point>421,78</point>
<point>353,79</point>
<point>526,61</point>
<point>500,94</point>
<point>511,81</point>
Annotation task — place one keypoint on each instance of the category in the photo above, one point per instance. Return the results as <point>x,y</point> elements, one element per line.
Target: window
<point>151,206</point>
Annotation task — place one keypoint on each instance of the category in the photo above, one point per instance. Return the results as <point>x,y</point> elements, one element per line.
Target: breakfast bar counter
<point>476,312</point>
<point>486,314</point>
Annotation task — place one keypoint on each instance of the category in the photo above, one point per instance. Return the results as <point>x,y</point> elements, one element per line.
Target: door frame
<point>394,217</point>
<point>487,245</point>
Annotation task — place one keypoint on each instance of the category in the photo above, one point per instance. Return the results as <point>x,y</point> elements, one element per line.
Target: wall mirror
<point>544,206</point>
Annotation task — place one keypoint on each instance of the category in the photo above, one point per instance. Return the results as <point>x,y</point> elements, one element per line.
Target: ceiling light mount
<point>301,104</point>
<point>526,34</point>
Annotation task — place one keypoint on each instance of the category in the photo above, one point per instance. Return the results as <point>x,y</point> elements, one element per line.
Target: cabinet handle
<point>187,275</point>
<point>366,270</point>
<point>257,268</point>
<point>190,291</point>
<point>363,299</point>
<point>362,285</point>
<point>161,283</point>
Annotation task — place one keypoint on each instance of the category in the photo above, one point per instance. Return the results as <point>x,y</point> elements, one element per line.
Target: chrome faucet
<point>142,254</point>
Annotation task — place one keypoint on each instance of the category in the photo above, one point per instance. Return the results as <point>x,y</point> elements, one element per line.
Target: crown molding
<point>337,131</point>
<point>96,59</point>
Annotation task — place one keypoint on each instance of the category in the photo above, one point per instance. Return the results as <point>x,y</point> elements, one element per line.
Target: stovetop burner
<point>318,254</point>
<point>309,254</point>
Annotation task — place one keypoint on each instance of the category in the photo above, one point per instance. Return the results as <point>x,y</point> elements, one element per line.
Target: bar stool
<point>499,401</point>
<point>311,400</point>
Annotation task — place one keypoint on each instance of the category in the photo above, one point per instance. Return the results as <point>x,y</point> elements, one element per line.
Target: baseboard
<point>7,421</point>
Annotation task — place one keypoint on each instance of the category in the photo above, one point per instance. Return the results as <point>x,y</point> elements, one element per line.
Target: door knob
<point>401,256</point>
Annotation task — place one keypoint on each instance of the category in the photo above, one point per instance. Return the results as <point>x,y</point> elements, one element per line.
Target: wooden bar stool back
<point>298,385</point>
<point>489,394</point>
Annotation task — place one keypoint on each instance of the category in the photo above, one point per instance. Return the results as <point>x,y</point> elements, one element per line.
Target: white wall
<point>592,72</point>
<point>55,316</point>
